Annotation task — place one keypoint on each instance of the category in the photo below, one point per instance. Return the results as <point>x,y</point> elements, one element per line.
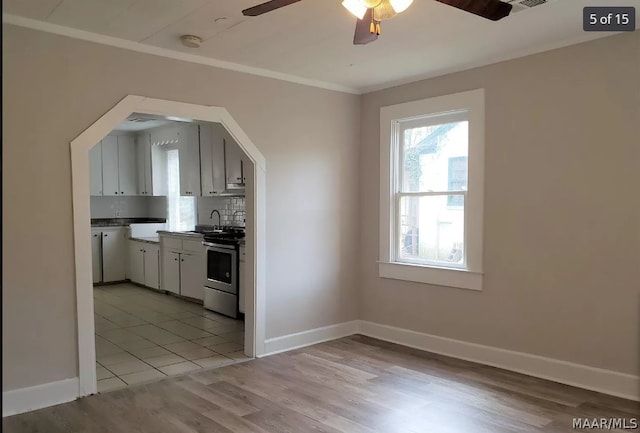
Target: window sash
<point>397,230</point>
<point>397,142</point>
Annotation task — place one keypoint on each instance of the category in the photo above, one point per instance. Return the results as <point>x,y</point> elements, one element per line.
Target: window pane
<point>432,229</point>
<point>435,157</point>
<point>182,210</point>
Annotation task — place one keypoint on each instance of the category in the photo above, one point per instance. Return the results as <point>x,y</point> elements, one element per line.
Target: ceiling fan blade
<point>493,10</point>
<point>363,35</point>
<point>269,6</point>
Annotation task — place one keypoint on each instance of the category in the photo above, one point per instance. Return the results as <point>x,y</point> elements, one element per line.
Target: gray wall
<point>54,87</point>
<point>562,210</point>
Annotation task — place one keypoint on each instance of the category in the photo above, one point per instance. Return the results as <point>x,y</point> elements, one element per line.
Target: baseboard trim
<point>582,376</point>
<point>307,338</point>
<point>39,396</point>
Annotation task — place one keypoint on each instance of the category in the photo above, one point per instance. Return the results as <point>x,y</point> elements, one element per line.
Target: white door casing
<point>256,235</point>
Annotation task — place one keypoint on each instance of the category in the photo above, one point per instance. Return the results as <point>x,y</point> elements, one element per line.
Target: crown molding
<point>171,54</point>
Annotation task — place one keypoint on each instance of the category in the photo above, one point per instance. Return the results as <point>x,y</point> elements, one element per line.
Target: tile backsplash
<point>232,211</point>
<point>128,207</point>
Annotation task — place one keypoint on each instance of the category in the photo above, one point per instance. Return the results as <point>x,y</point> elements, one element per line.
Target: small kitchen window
<point>432,170</point>
<point>182,214</point>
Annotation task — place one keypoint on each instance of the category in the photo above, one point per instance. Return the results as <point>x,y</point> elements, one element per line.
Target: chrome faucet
<point>211,216</point>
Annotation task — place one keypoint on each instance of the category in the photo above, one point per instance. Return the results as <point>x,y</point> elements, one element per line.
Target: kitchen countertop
<point>186,234</point>
<point>149,239</point>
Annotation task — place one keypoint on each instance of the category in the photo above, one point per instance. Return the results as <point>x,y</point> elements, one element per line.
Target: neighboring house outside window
<point>432,170</point>
<point>181,210</point>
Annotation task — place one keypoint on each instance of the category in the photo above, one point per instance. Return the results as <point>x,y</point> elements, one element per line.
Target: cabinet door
<point>151,266</point>
<point>109,148</point>
<point>189,154</point>
<point>113,254</point>
<point>127,165</point>
<point>96,255</point>
<point>158,172</point>
<point>95,170</point>
<point>192,272</point>
<point>212,177</point>
<point>135,265</point>
<point>171,271</point>
<point>142,141</point>
<point>233,161</point>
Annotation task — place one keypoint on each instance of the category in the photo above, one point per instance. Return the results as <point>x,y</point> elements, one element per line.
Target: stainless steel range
<point>221,283</point>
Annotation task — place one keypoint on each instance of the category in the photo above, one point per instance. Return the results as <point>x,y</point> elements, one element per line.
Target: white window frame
<point>468,276</point>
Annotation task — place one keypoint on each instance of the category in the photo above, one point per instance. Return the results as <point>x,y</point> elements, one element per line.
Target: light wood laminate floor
<point>352,385</point>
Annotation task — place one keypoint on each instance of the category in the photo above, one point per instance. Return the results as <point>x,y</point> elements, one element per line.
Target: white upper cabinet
<point>95,170</point>
<point>143,147</point>
<point>110,185</point>
<point>212,160</point>
<point>189,154</point>
<point>233,162</point>
<point>119,165</point>
<point>127,165</point>
<point>152,166</point>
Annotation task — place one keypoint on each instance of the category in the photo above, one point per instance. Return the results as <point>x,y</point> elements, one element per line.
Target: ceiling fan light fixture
<point>355,7</point>
<point>384,11</point>
<point>400,5</point>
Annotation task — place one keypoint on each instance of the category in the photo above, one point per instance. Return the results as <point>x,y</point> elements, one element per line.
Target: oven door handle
<point>218,246</point>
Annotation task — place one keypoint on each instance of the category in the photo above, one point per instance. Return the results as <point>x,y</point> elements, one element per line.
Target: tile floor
<point>142,335</point>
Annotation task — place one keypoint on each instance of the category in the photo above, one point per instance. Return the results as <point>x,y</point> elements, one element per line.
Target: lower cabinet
<point>108,249</point>
<point>143,264</point>
<point>171,272</point>
<point>191,280</point>
<point>96,255</point>
<point>183,266</point>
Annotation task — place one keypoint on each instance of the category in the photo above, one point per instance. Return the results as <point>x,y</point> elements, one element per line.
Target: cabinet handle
<point>175,260</point>
<point>116,192</point>
<point>121,192</point>
<point>106,235</point>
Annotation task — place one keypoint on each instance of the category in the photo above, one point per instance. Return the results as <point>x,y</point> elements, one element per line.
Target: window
<point>432,170</point>
<point>182,210</point>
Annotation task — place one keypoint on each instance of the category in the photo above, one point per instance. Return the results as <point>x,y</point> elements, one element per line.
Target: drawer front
<point>193,245</point>
<point>172,243</point>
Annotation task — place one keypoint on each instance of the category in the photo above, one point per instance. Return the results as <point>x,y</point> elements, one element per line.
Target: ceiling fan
<point>371,12</point>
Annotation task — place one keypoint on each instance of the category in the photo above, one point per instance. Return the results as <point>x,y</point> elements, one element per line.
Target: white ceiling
<point>312,39</point>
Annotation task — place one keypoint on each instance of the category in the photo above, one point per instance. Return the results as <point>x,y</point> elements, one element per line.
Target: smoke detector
<point>191,41</point>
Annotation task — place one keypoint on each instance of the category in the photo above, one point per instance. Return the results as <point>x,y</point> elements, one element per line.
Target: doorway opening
<point>245,210</point>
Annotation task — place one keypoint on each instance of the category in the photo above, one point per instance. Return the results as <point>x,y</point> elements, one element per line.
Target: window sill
<point>448,277</point>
